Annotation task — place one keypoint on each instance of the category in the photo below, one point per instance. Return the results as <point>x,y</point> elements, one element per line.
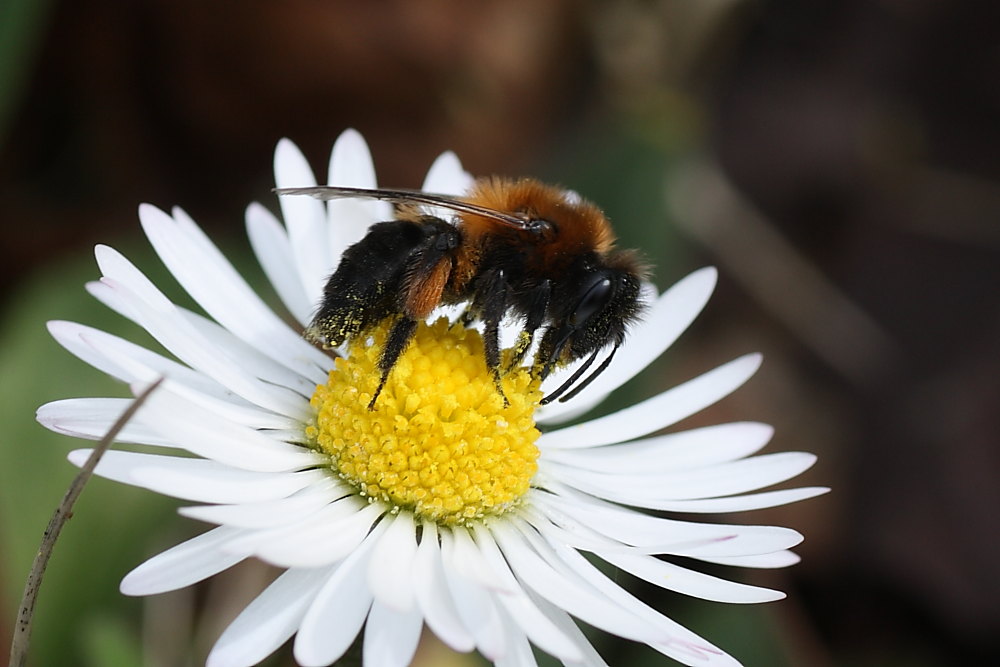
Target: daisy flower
<point>443,506</point>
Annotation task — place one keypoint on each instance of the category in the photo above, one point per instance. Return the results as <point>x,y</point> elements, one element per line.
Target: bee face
<point>518,248</point>
<point>598,305</point>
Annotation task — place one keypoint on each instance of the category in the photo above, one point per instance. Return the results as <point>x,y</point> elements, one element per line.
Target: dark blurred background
<point>838,160</point>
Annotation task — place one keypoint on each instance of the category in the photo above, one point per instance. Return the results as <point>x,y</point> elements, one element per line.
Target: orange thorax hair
<point>579,227</point>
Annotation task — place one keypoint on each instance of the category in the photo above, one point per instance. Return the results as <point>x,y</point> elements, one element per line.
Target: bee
<point>514,248</point>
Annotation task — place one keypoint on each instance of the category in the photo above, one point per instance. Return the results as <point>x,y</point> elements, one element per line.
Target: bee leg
<point>420,284</point>
<point>399,337</point>
<point>550,350</point>
<point>536,315</point>
<point>494,307</point>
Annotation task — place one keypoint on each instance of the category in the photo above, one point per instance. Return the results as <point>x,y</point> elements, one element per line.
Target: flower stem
<point>26,612</point>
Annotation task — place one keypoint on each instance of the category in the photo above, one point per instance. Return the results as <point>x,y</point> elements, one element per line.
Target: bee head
<point>597,304</point>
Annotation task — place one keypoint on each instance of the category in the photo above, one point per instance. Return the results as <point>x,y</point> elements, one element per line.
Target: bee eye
<point>593,301</point>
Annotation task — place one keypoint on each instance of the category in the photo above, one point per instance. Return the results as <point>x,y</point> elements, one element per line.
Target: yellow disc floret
<point>440,441</point>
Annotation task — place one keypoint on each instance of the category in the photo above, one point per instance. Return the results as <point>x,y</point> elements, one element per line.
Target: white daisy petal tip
<point>291,168</point>
<point>707,276</point>
<point>696,288</point>
<point>745,367</point>
<point>764,432</point>
<point>78,457</point>
<point>350,139</point>
<point>63,331</point>
<point>286,150</point>
<point>253,210</point>
<point>128,587</point>
<point>752,361</point>
<point>153,215</point>
<point>447,176</point>
<point>808,460</point>
<point>351,162</point>
<point>104,253</point>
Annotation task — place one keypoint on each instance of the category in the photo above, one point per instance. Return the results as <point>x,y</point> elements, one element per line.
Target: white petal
<point>678,643</point>
<point>92,418</point>
<point>390,572</point>
<point>258,365</point>
<point>745,503</point>
<point>519,652</point>
<point>670,536</point>
<point>130,363</point>
<point>172,328</point>
<point>552,414</point>
<point>676,451</point>
<point>562,620</point>
<point>274,252</point>
<point>305,219</point>
<point>315,544</point>
<point>658,412</point>
<point>523,612</point>
<point>570,593</point>
<point>207,434</point>
<point>351,162</point>
<point>563,411</point>
<point>696,652</point>
<point>391,636</point>
<point>708,482</point>
<point>667,318</point>
<point>447,177</point>
<point>116,266</point>
<point>349,219</point>
<point>336,615</point>
<point>682,580</point>
<point>195,479</point>
<point>469,562</point>
<point>269,621</point>
<point>477,610</point>
<point>71,336</point>
<point>212,281</point>
<point>139,368</point>
<point>772,560</point>
<point>575,534</point>
<point>302,533</point>
<point>274,512</point>
<point>185,564</point>
<point>432,594</point>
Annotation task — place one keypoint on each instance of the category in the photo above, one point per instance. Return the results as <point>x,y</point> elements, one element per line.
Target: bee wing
<point>327,192</point>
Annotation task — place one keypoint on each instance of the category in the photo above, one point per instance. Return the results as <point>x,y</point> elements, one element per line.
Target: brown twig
<point>26,613</point>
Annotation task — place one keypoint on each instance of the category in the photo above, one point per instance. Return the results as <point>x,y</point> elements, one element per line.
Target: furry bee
<point>514,248</point>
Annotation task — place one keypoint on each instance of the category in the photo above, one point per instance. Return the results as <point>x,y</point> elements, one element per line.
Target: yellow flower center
<point>440,440</point>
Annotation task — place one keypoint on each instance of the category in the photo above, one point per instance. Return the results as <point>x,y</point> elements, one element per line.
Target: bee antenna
<point>573,378</point>
<point>590,378</point>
